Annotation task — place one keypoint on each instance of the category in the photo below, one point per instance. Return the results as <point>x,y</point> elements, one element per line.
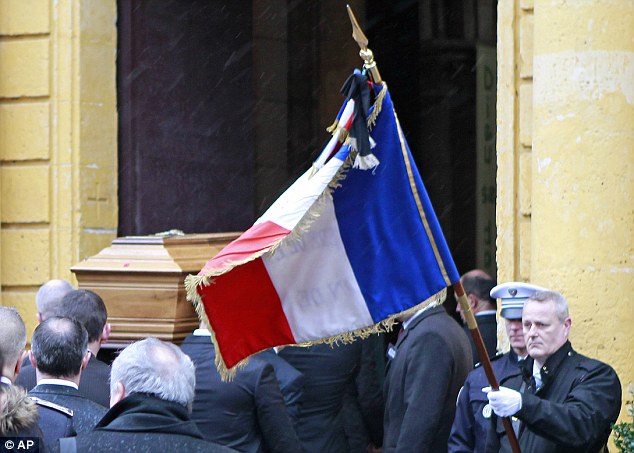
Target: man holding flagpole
<point>563,401</point>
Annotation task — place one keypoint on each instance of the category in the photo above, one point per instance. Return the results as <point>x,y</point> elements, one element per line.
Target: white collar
<point>416,315</point>
<point>5,380</point>
<point>486,312</point>
<point>537,374</point>
<point>58,382</point>
<point>202,333</point>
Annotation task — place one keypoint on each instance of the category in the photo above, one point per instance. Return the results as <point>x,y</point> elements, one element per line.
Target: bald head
<point>12,338</point>
<point>476,273</point>
<point>49,295</point>
<point>59,347</point>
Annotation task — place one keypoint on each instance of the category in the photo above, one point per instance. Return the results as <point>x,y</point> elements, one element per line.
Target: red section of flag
<point>245,312</point>
<point>259,237</point>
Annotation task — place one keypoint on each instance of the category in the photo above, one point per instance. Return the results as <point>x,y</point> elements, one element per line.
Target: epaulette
<point>499,355</point>
<point>56,407</point>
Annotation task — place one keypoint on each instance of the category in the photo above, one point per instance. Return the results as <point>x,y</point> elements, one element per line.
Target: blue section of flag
<point>385,239</point>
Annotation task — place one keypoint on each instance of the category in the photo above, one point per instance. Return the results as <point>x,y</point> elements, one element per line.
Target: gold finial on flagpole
<point>366,54</point>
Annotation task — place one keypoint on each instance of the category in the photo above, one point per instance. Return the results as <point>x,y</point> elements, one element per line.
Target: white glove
<point>505,401</point>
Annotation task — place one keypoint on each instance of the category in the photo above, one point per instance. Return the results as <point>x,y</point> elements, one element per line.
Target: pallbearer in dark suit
<point>89,310</point>
<point>59,353</point>
<point>247,413</point>
<point>328,373</point>
<point>291,382</point>
<point>430,363</point>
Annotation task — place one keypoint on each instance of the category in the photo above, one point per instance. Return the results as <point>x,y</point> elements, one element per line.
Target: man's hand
<point>505,401</point>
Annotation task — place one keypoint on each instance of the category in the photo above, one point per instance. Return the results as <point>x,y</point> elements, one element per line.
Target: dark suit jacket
<point>489,330</point>
<point>86,413</point>
<point>363,403</point>
<point>290,380</point>
<point>94,383</point>
<point>328,371</point>
<point>247,413</point>
<point>143,423</point>
<point>433,358</point>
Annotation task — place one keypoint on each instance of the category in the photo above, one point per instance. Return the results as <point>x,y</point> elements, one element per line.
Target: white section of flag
<point>323,297</point>
<point>291,206</point>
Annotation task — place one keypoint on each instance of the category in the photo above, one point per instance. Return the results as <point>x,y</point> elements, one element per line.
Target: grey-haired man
<point>151,392</point>
<point>563,400</point>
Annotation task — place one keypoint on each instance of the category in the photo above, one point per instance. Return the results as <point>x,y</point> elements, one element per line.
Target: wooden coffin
<point>141,280</point>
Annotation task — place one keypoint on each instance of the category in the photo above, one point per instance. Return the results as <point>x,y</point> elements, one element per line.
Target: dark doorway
<point>222,103</point>
<point>185,99</point>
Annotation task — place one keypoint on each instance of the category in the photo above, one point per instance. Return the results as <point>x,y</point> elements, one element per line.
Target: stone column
<point>58,141</point>
<point>582,232</point>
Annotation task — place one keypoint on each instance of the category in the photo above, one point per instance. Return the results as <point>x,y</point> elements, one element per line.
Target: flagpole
<point>366,54</point>
<point>484,358</point>
<point>370,65</point>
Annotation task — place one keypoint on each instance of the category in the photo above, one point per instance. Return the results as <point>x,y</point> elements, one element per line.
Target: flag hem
<point>386,325</point>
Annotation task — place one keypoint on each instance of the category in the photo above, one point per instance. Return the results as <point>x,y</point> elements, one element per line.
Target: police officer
<point>473,413</point>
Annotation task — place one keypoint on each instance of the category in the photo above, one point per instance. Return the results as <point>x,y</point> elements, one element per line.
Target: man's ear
<point>18,364</point>
<point>85,360</point>
<point>117,394</point>
<point>105,333</point>
<point>567,324</point>
<point>473,301</point>
<point>32,359</point>
<point>38,315</point>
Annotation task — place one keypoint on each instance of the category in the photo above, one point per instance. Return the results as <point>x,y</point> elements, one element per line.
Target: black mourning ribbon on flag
<point>356,88</point>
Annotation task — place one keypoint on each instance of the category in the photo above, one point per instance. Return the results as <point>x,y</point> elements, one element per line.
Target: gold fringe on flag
<point>228,374</point>
<point>378,106</point>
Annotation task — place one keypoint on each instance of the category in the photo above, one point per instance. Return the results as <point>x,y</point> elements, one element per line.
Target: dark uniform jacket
<point>363,402</point>
<point>473,413</point>
<point>291,382</point>
<point>86,413</point>
<point>247,413</point>
<point>432,360</point>
<point>572,411</point>
<point>488,326</point>
<point>19,416</point>
<point>328,371</point>
<point>144,423</point>
<point>94,384</point>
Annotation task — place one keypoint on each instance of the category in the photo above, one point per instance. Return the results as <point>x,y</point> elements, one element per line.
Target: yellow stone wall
<point>565,212</point>
<point>58,141</point>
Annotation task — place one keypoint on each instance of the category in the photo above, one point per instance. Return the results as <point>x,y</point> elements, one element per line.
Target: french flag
<point>340,254</point>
